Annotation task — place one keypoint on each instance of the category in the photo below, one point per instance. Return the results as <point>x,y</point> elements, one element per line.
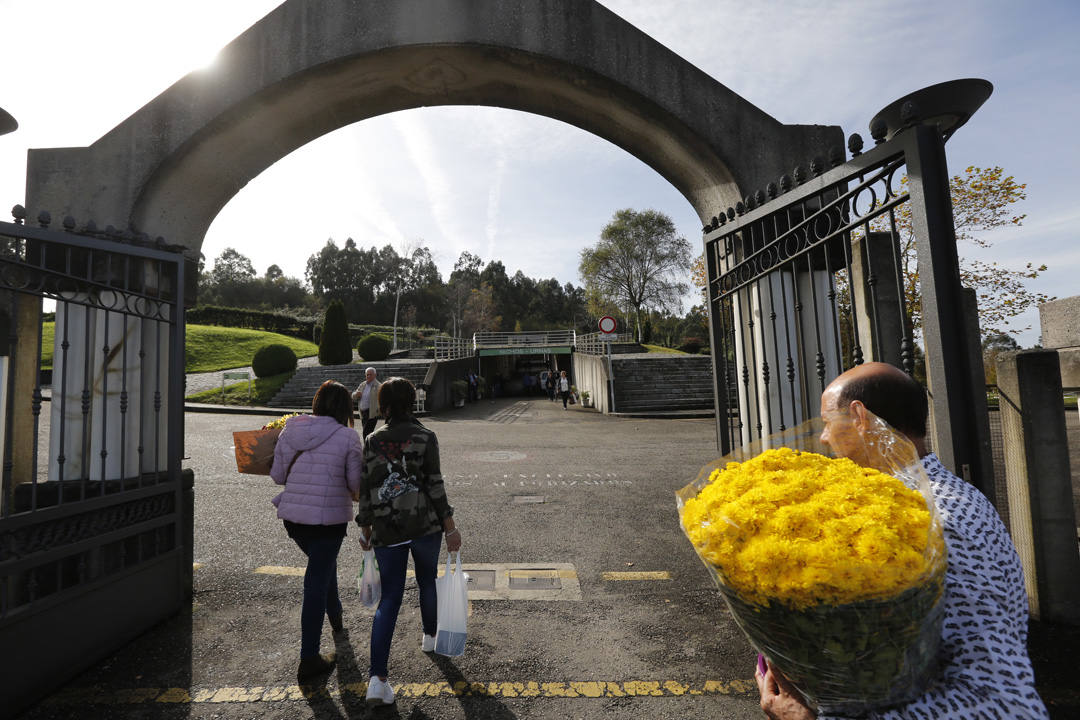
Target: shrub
<point>316,334</point>
<point>691,345</point>
<point>459,389</point>
<point>273,359</point>
<point>334,346</point>
<point>374,346</point>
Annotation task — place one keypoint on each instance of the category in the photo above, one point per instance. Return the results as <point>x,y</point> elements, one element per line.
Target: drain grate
<point>480,579</point>
<point>534,579</point>
<point>528,499</point>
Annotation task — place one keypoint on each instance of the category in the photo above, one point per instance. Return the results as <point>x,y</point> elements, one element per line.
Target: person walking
<point>319,460</point>
<point>403,510</point>
<point>564,388</point>
<point>366,397</point>
<point>549,384</point>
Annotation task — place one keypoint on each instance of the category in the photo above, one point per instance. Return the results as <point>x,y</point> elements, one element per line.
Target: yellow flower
<point>804,529</point>
<point>279,423</point>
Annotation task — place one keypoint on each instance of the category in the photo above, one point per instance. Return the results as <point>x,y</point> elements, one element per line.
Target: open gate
<point>95,514</point>
<point>805,280</point>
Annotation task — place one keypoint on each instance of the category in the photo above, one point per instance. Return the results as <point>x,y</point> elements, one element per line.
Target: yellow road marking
<point>286,693</point>
<point>279,570</point>
<point>639,575</point>
<point>196,566</point>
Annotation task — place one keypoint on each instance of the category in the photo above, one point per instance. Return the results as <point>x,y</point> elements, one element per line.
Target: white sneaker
<point>428,643</point>
<point>379,692</point>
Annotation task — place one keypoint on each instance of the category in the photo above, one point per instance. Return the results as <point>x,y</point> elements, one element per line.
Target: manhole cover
<point>480,579</point>
<point>498,456</point>
<point>528,499</point>
<point>535,579</point>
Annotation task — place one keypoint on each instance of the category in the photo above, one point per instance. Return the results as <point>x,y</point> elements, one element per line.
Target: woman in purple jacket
<point>319,460</point>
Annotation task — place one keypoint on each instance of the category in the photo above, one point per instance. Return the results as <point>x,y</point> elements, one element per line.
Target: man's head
<point>369,375</point>
<point>880,388</point>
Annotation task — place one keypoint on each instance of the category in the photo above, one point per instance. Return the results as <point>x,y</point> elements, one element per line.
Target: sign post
<point>607,326</point>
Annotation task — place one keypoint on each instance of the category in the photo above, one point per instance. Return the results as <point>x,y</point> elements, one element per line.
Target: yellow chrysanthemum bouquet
<point>834,571</point>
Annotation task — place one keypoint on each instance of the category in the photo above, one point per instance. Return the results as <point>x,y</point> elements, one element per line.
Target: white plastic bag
<point>453,610</point>
<point>369,581</point>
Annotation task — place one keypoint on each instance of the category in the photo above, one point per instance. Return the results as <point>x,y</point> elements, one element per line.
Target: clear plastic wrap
<point>871,653</point>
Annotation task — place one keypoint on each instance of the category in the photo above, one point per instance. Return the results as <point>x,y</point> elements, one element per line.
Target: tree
<point>334,346</point>
<point>480,313</point>
<point>637,263</point>
<point>982,199</point>
<point>231,267</point>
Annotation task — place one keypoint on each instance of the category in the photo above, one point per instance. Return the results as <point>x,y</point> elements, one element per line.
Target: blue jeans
<point>320,588</point>
<point>392,564</point>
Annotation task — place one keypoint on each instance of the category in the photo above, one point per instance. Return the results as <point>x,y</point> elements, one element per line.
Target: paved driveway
<point>599,607</point>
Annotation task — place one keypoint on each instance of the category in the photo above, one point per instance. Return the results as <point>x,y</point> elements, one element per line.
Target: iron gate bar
<point>808,232</point>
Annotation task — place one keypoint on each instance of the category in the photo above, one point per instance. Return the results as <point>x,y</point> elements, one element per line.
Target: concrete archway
<point>309,68</point>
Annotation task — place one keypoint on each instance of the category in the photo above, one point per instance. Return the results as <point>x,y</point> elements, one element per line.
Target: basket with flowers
<point>254,449</point>
<point>834,571</point>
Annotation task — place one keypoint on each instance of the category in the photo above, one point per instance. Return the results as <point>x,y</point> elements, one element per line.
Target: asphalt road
<point>571,498</point>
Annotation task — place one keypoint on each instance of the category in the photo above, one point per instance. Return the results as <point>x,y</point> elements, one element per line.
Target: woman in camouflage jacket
<point>403,510</point>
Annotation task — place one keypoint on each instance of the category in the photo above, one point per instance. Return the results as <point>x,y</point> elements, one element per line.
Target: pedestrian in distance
<point>984,669</point>
<point>403,510</point>
<point>549,384</point>
<point>319,460</point>
<point>366,397</point>
<point>564,388</point>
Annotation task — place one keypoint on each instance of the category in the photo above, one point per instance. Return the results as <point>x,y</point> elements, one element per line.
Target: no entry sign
<point>607,324</point>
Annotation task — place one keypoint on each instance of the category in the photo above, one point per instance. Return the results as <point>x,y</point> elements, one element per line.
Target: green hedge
<point>277,322</point>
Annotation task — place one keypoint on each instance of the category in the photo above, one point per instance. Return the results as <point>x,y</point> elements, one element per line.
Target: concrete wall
<point>439,395</point>
<point>1060,321</point>
<point>311,67</point>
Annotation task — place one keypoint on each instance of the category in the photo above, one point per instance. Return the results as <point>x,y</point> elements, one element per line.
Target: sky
<point>531,192</point>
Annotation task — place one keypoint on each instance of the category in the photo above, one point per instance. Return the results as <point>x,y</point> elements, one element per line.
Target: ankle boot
<point>314,666</point>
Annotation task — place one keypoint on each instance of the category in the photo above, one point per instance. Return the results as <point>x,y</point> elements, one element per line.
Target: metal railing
<point>452,348</point>
<point>524,339</point>
<point>594,343</point>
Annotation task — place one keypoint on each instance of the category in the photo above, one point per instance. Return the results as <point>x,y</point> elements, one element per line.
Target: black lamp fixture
<point>7,123</point>
<point>947,105</point>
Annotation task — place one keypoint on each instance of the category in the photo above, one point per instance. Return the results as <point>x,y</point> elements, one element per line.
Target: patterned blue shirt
<point>986,672</point>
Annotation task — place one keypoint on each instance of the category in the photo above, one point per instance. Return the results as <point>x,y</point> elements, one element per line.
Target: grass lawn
<point>262,389</point>
<point>209,347</point>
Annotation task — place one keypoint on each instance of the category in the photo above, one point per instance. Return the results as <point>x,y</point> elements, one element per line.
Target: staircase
<point>662,383</point>
<point>301,388</point>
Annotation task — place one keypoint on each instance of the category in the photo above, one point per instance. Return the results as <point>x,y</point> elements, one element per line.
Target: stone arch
<point>307,69</point>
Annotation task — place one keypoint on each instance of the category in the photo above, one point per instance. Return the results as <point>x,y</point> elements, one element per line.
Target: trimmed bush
<point>273,359</point>
<point>334,348</point>
<point>691,345</point>
<point>374,346</point>
<point>316,334</point>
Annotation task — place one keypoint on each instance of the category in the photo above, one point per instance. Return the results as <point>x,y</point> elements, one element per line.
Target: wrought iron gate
<point>95,515</point>
<point>805,280</point>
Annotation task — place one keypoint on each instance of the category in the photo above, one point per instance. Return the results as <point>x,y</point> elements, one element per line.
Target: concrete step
<point>301,388</point>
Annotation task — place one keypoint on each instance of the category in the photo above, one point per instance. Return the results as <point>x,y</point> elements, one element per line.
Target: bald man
<point>985,669</point>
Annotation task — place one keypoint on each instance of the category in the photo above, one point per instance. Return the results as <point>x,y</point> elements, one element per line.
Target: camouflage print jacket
<point>401,494</point>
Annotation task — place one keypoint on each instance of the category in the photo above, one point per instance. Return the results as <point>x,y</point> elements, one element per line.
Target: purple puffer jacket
<point>324,478</point>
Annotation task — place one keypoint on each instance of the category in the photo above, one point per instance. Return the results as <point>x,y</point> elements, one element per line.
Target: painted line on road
<point>280,570</point>
<point>638,575</point>
<point>195,566</point>
<point>287,693</point>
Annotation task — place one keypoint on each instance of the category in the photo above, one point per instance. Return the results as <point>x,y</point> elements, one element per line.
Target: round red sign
<point>607,324</point>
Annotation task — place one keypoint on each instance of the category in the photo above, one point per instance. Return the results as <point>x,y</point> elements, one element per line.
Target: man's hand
<point>779,699</point>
